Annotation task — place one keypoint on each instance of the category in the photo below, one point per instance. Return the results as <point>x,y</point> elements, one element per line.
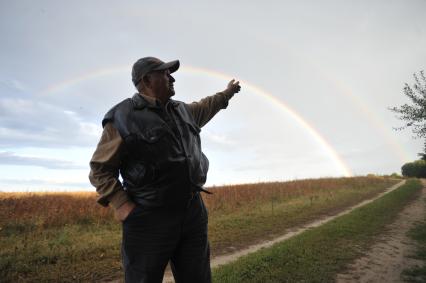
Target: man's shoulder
<point>178,103</point>
<point>118,109</point>
<point>184,109</point>
<point>175,100</point>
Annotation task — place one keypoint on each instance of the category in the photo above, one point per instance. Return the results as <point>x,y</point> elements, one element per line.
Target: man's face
<point>162,84</point>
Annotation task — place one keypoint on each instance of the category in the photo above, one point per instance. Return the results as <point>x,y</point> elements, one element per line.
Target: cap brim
<point>173,66</point>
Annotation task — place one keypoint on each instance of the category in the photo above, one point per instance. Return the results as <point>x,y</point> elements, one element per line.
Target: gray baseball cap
<point>148,64</point>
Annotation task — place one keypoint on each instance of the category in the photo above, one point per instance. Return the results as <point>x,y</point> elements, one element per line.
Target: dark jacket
<point>162,162</point>
<point>141,173</point>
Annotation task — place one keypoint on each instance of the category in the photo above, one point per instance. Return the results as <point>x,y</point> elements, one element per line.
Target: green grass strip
<point>417,273</point>
<point>317,255</point>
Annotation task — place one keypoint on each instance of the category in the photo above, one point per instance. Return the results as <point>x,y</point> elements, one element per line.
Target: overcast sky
<point>317,80</point>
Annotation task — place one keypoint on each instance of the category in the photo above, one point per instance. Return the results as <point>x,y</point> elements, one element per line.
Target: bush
<point>395,175</point>
<point>414,169</point>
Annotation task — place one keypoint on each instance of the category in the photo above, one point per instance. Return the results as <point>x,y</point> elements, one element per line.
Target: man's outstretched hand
<point>233,87</point>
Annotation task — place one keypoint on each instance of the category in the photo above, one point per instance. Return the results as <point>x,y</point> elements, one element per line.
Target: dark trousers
<point>153,237</point>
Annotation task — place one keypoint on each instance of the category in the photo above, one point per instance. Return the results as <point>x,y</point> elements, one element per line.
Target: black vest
<point>162,163</point>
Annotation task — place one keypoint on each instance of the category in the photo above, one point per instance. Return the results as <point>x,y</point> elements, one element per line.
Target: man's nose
<point>171,79</point>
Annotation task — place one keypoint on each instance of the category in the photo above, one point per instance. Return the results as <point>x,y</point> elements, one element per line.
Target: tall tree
<point>423,154</point>
<point>414,114</point>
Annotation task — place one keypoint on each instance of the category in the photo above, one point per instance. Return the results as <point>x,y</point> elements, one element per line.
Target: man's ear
<point>147,81</point>
<point>144,83</point>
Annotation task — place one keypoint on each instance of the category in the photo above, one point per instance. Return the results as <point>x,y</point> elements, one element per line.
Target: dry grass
<point>69,237</point>
<point>52,209</point>
<point>26,211</point>
<point>45,210</point>
<point>231,198</point>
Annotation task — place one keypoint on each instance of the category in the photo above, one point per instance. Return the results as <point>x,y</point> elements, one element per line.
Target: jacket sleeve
<point>104,168</point>
<point>206,108</point>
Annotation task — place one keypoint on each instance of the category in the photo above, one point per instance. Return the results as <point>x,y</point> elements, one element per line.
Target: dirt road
<point>227,258</point>
<point>385,261</point>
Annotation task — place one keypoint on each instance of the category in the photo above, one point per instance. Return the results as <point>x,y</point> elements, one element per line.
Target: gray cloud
<point>13,84</point>
<point>9,158</point>
<point>69,116</point>
<point>28,122</point>
<point>217,141</point>
<point>302,55</point>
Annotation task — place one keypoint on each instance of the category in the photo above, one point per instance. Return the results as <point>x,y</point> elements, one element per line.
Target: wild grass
<point>245,214</point>
<point>26,211</point>
<point>51,237</point>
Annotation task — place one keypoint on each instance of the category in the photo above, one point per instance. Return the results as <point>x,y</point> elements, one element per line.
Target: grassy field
<point>317,255</point>
<point>68,237</point>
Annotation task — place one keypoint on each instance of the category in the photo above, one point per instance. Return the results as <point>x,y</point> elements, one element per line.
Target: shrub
<point>414,169</point>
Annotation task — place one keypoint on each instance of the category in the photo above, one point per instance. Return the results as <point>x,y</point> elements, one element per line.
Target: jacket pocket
<point>153,135</point>
<point>132,213</point>
<point>134,174</point>
<point>153,144</point>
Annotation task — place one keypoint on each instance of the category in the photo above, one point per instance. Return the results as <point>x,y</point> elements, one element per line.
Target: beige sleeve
<point>104,168</point>
<point>206,108</point>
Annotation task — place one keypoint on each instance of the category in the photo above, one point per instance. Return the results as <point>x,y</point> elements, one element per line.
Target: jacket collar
<point>141,101</point>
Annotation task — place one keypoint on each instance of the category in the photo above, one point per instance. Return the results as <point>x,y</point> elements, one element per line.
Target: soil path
<point>386,259</point>
<point>227,258</point>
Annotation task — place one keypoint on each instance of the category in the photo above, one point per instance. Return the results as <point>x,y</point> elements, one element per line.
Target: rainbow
<point>356,101</point>
<point>373,118</point>
<point>321,141</point>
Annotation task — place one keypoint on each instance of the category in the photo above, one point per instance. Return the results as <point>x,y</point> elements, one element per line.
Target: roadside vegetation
<point>68,237</point>
<point>317,255</point>
<point>417,273</point>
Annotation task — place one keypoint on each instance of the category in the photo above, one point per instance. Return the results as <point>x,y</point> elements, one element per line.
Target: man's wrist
<point>228,93</point>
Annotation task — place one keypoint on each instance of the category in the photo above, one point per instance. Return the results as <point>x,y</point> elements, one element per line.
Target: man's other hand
<point>123,211</point>
<point>233,87</point>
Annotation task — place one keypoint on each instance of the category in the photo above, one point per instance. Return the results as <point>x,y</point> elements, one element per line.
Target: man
<point>154,142</point>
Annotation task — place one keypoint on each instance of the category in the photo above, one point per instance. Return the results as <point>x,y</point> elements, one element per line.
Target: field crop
<point>50,237</point>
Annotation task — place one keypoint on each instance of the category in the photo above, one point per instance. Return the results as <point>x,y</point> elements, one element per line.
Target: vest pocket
<point>153,135</point>
<point>153,144</point>
<point>137,174</point>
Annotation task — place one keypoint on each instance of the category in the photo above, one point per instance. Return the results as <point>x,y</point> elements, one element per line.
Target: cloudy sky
<point>317,80</point>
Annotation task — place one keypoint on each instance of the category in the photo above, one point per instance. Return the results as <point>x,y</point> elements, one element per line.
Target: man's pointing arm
<point>206,108</point>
